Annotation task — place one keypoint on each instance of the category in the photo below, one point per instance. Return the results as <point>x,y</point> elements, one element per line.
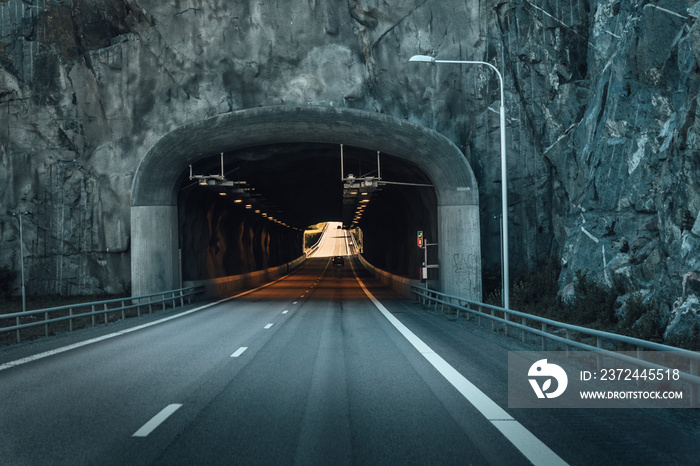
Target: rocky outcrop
<point>684,328</point>
<point>601,100</point>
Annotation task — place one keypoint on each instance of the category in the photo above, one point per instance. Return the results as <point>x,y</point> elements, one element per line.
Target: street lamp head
<point>422,58</point>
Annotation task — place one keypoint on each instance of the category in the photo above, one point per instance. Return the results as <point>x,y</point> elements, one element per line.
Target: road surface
<point>307,370</point>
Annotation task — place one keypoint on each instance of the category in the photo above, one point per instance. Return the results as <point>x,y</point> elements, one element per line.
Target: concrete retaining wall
<point>401,285</point>
<point>224,287</point>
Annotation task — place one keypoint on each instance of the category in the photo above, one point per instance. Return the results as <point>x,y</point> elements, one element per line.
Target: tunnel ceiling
<point>302,180</point>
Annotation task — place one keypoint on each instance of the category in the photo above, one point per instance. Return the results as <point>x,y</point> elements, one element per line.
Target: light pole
<point>504,185</point>
<point>21,254</point>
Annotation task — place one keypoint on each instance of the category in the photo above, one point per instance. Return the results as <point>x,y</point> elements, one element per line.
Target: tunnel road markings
<point>239,351</point>
<point>157,420</point>
<point>530,446</point>
<point>63,349</point>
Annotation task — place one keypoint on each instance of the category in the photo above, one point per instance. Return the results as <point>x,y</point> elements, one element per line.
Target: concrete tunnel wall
<point>155,260</point>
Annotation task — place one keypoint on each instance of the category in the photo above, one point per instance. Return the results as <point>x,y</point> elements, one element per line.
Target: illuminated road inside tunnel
<point>336,242</point>
<point>324,366</point>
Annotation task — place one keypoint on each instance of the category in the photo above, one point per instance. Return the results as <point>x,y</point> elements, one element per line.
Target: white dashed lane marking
<point>157,420</point>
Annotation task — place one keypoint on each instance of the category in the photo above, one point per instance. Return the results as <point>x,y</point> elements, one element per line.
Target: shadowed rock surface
<point>601,102</point>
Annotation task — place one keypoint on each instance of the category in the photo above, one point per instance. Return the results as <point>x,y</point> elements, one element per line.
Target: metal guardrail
<point>506,319</point>
<point>72,312</point>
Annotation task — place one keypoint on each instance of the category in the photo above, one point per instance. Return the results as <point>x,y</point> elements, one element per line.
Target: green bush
<point>690,340</point>
<point>311,239</point>
<point>642,320</point>
<point>535,291</point>
<point>593,303</point>
<point>7,276</point>
<point>491,286</point>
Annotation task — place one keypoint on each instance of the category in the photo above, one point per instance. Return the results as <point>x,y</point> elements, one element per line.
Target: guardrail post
<point>123,311</point>
<point>70,321</point>
<point>640,356</point>
<point>182,298</point>
<point>524,322</point>
<point>694,395</point>
<point>105,308</point>
<point>598,356</point>
<point>93,315</point>
<point>493,322</point>
<point>46,326</point>
<point>544,339</point>
<point>568,338</point>
<point>506,316</point>
<point>17,322</point>
<point>174,300</point>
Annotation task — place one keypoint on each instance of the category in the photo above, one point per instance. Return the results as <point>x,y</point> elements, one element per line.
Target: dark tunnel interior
<point>298,185</point>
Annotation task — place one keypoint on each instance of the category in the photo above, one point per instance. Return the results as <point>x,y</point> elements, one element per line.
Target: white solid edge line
<point>63,349</point>
<point>157,420</point>
<point>530,446</point>
<point>239,351</point>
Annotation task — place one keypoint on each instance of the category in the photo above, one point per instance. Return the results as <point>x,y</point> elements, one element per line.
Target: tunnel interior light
<point>239,191</point>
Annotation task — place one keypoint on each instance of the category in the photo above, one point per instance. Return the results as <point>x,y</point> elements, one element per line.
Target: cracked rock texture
<point>601,101</point>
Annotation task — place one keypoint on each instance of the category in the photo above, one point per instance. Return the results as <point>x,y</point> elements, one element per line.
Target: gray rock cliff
<point>601,101</point>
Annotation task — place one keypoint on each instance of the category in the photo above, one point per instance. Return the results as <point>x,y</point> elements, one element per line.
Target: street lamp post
<point>504,186</point>
<point>21,254</point>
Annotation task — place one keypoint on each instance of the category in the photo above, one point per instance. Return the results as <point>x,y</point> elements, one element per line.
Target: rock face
<point>601,101</point>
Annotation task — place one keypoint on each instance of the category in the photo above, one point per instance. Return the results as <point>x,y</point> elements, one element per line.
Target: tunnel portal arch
<point>155,262</point>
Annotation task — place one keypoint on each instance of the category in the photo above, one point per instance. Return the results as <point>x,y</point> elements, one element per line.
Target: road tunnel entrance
<point>245,210</point>
<point>159,178</point>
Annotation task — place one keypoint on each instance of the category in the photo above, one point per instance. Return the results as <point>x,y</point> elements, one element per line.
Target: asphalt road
<point>307,370</point>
